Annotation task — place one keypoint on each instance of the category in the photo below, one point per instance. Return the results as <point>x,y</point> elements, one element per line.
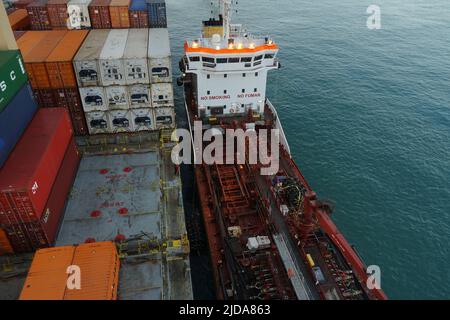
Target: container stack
<point>113,69</point>
<point>48,59</point>
<point>99,14</point>
<point>33,193</point>
<point>62,78</point>
<point>160,66</point>
<point>99,265</point>
<point>38,13</point>
<point>96,14</point>
<point>138,14</point>
<point>157,14</point>
<point>78,12</point>
<point>19,20</point>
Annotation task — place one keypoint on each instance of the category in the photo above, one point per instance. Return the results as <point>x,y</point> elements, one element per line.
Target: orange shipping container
<point>29,40</point>
<point>59,62</point>
<point>35,58</point>
<point>99,271</point>
<point>19,19</point>
<point>47,277</point>
<point>57,13</point>
<point>99,264</point>
<point>5,245</point>
<point>118,10</point>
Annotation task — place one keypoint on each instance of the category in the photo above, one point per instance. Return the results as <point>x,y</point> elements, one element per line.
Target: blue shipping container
<point>15,119</point>
<point>138,5</point>
<point>157,16</point>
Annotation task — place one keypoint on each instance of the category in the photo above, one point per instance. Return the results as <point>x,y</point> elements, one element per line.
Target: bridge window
<point>246,59</point>
<point>208,76</point>
<point>258,58</point>
<point>194,59</point>
<point>222,60</point>
<point>233,60</point>
<point>208,59</point>
<point>269,56</point>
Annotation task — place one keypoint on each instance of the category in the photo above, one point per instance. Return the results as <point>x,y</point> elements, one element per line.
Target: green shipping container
<point>12,76</point>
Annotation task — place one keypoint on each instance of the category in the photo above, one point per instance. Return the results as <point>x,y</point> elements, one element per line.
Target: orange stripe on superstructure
<point>229,51</point>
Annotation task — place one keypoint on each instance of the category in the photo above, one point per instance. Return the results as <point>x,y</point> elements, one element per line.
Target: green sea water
<point>367,115</point>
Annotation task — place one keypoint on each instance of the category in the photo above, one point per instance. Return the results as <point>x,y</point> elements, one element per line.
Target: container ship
<point>86,177</point>
<point>270,236</point>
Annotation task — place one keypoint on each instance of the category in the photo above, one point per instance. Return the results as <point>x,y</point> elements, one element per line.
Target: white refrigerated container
<point>97,122</point>
<point>112,70</point>
<point>135,57</point>
<point>93,99</point>
<point>159,55</point>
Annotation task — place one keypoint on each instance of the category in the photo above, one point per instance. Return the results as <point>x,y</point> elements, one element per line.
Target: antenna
<point>226,13</point>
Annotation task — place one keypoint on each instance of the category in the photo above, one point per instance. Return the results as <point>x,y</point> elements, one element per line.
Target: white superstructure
<point>229,67</point>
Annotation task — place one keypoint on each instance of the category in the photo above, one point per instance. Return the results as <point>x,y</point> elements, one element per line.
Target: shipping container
<point>59,63</point>
<point>18,34</point>
<point>68,98</point>
<point>78,11</point>
<point>29,40</point>
<point>99,264</point>
<point>5,245</point>
<point>14,119</point>
<point>162,95</point>
<point>38,13</point>
<point>80,127</point>
<point>19,20</point>
<point>93,99</point>
<point>112,69</point>
<point>27,176</point>
<point>142,119</point>
<point>117,97</point>
<point>35,59</point>
<point>47,276</point>
<point>118,11</point>
<point>159,55</point>
<point>22,4</point>
<point>138,14</point>
<point>157,13</point>
<point>135,57</point>
<point>13,76</point>
<point>164,118</point>
<point>139,95</point>
<point>99,14</point>
<point>57,13</point>
<point>46,98</point>
<point>120,121</point>
<point>86,61</point>
<point>97,122</point>
<point>42,232</point>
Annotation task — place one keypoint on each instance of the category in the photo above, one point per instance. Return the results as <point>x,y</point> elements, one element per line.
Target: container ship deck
<point>126,190</point>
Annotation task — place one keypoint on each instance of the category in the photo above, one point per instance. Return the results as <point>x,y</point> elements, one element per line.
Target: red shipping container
<point>99,14</point>
<point>42,233</point>
<point>138,19</point>
<point>38,13</point>
<point>27,177</point>
<point>46,98</point>
<point>57,13</point>
<point>68,98</point>
<point>79,124</point>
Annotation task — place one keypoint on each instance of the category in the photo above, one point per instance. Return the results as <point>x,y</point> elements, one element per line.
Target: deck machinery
<point>269,235</point>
